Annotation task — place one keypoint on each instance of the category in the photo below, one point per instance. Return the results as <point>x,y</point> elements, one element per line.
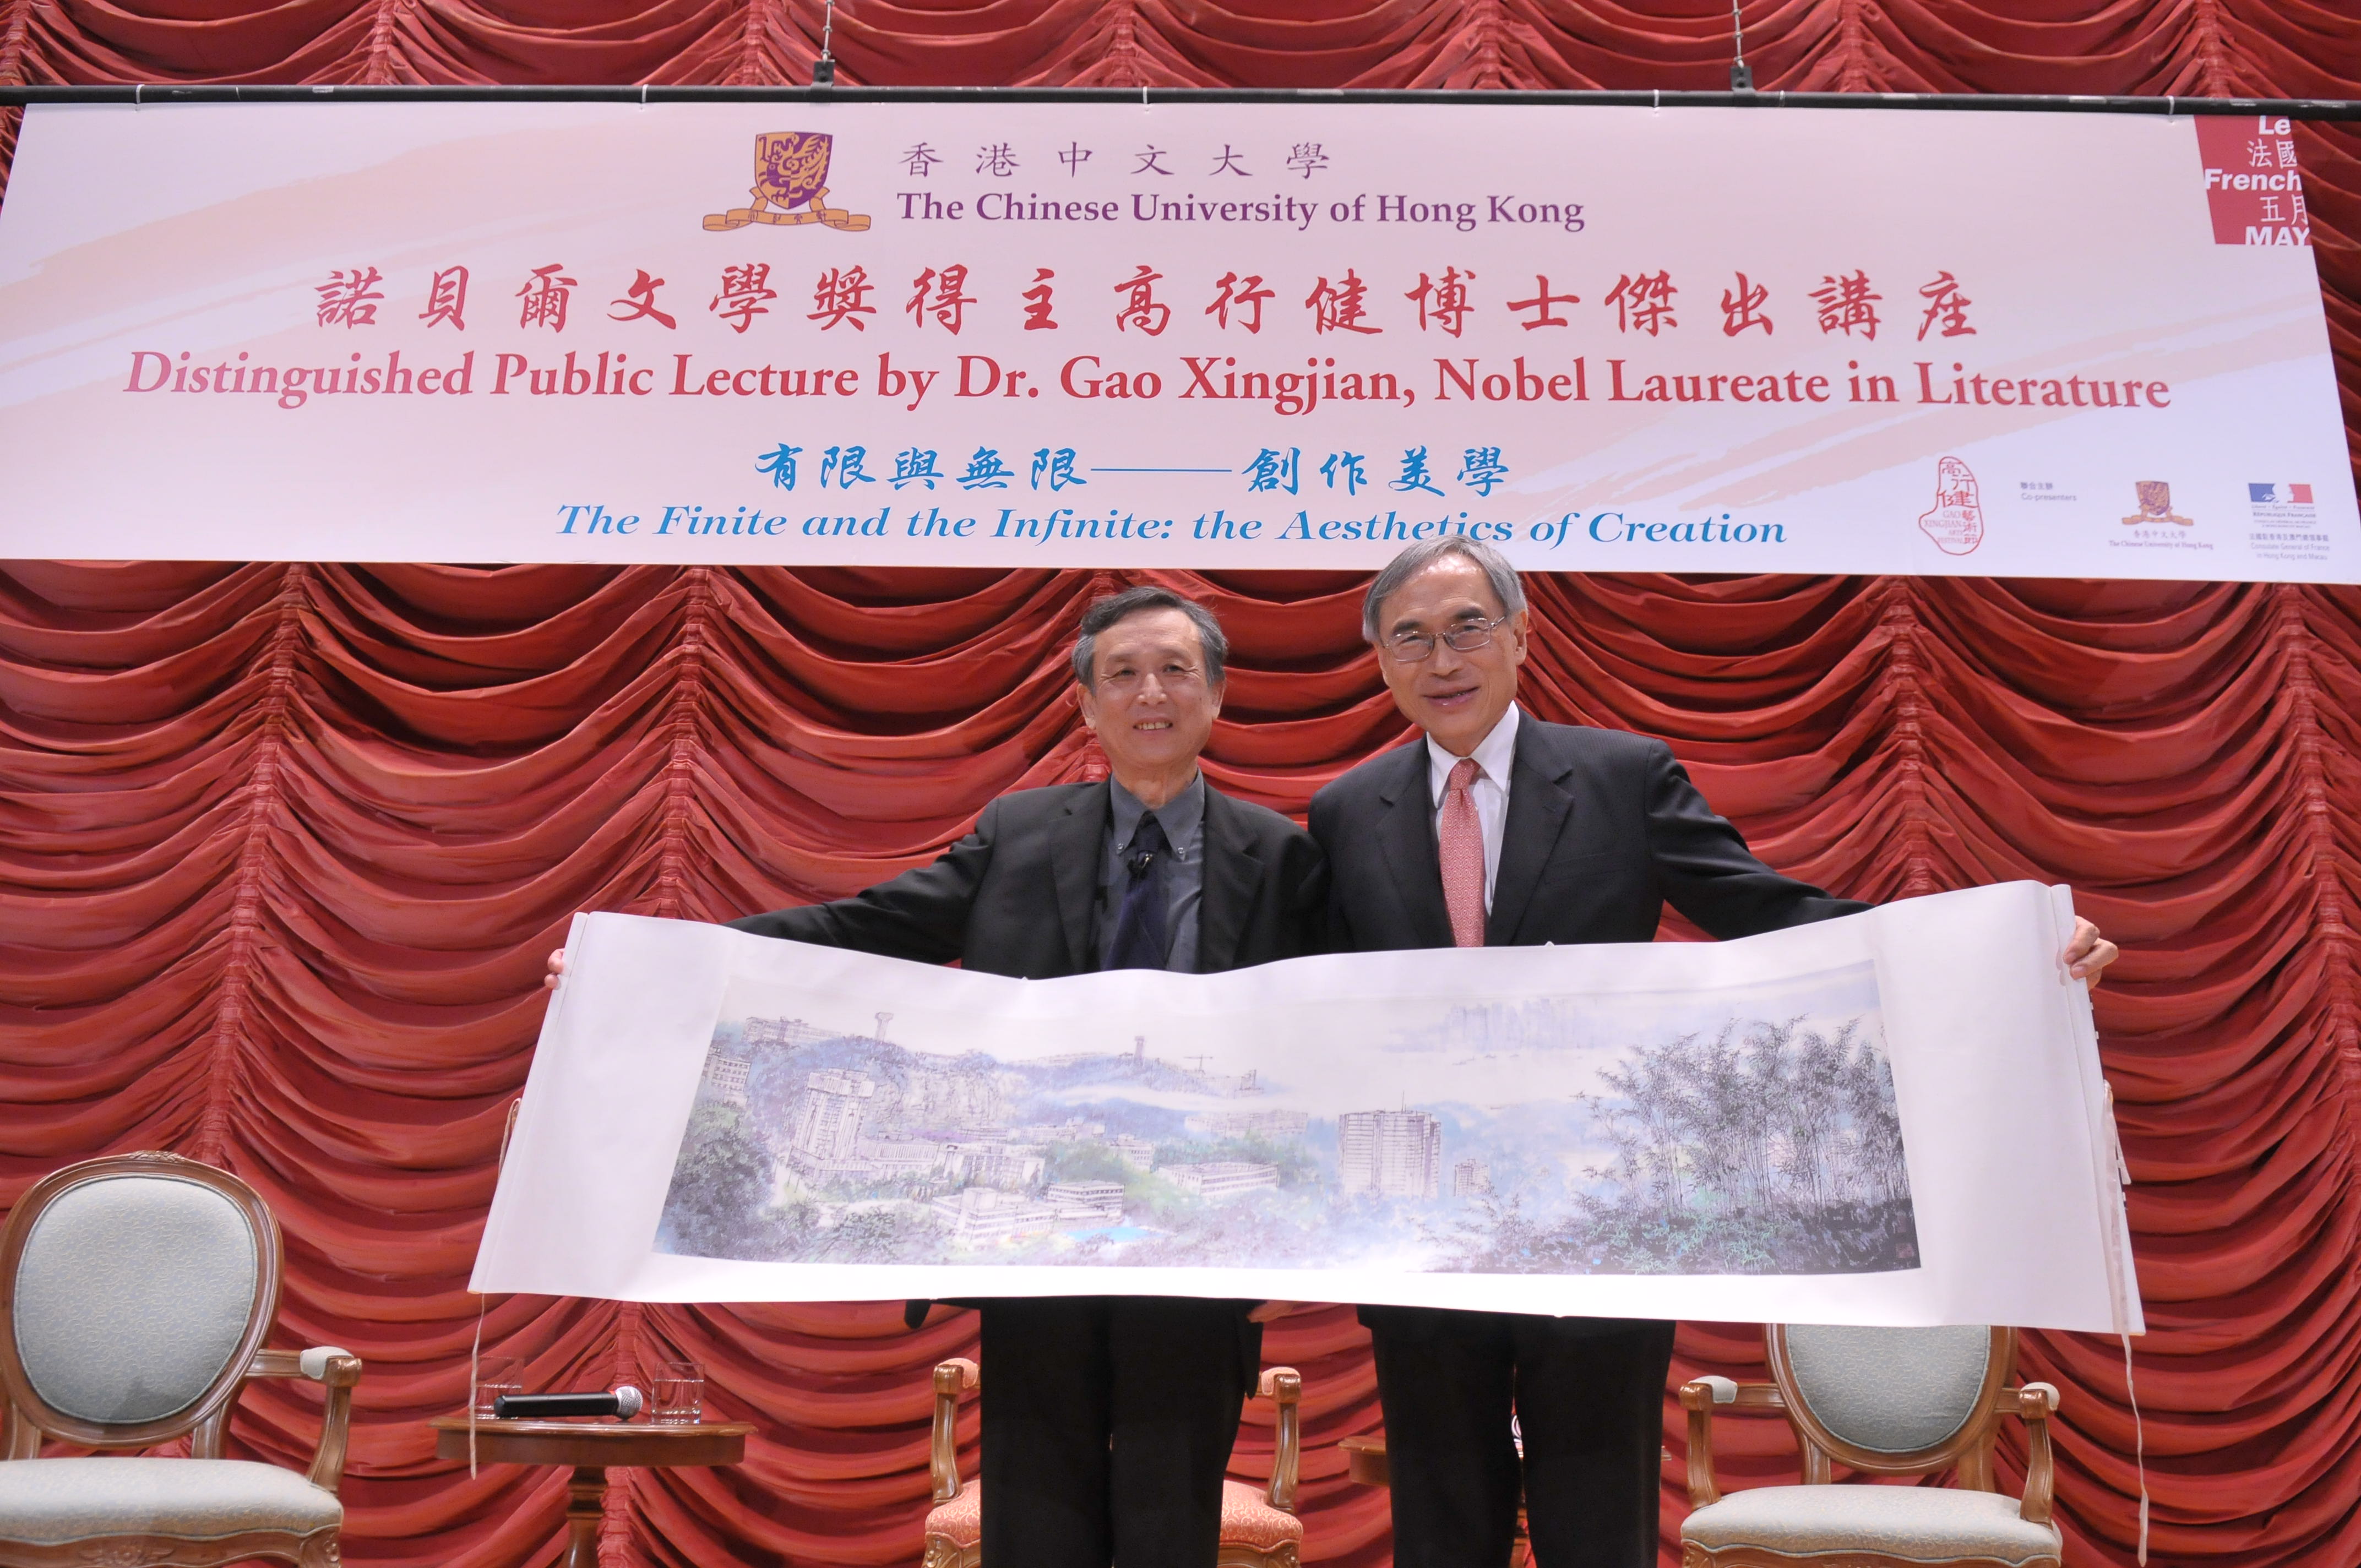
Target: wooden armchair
<point>1260,1528</point>
<point>134,1295</point>
<point>1366,1462</point>
<point>1888,1402</point>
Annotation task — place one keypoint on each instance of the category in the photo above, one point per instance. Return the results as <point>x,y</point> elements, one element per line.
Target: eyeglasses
<point>1122,683</point>
<point>1410,647</point>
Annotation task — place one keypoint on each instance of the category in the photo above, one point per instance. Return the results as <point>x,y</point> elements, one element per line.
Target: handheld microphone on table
<point>622,1404</point>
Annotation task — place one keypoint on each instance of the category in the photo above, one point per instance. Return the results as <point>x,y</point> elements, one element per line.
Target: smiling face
<point>1456,697</point>
<point>1148,701</point>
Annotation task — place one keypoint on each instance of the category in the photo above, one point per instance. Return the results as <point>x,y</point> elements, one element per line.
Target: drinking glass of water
<point>496,1375</point>
<point>678,1394</point>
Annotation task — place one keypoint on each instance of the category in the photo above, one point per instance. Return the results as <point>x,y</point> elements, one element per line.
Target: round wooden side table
<point>589,1447</point>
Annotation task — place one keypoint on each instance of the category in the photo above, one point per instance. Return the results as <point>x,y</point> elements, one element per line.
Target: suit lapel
<point>1076,836</point>
<point>1538,804</point>
<point>1233,870</point>
<point>1406,836</point>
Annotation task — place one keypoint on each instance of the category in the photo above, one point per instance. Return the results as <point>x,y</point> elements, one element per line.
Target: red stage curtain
<point>281,847</point>
<point>285,846</point>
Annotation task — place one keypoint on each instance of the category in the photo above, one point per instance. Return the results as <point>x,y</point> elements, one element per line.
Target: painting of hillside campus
<point>1746,1132</point>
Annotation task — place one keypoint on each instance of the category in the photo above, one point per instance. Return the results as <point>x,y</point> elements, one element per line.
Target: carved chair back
<point>135,1291</point>
<point>1893,1401</point>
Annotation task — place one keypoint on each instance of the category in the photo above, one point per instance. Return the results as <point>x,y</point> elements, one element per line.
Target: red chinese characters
<point>1245,294</point>
<point>1847,304</point>
<point>1443,302</point>
<point>1945,305</point>
<point>1038,301</point>
<point>350,299</point>
<point>639,301</point>
<point>1540,303</point>
<point>446,299</point>
<point>745,293</point>
<point>941,294</point>
<point>1741,308</point>
<point>842,295</point>
<point>1140,308</point>
<point>1341,306</point>
<point>545,294</point>
<point>1643,302</point>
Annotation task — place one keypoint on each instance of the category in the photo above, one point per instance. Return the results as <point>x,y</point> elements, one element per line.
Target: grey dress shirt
<point>1183,820</point>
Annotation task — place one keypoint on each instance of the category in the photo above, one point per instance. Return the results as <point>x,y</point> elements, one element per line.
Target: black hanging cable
<point>824,68</point>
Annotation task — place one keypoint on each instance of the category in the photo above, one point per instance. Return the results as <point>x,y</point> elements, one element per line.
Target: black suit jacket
<point>1603,828</point>
<point>1019,895</point>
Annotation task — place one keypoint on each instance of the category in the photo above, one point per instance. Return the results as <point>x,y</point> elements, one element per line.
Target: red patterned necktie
<point>1462,838</point>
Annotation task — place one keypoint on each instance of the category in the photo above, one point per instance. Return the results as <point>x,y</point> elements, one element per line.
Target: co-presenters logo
<point>1956,522</point>
<point>2156,526</point>
<point>2285,522</point>
<point>2156,506</point>
<point>790,171</point>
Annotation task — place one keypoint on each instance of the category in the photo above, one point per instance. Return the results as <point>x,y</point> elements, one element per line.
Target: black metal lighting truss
<point>1981,103</point>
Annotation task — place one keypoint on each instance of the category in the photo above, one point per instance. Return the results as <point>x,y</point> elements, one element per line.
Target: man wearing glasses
<point>1497,829</point>
<point>1107,1420</point>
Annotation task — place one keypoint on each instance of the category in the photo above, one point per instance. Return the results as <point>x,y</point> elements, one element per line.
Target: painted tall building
<point>828,1125</point>
<point>1222,1179</point>
<point>727,1076</point>
<point>781,1032</point>
<point>1271,1126</point>
<point>1395,1153</point>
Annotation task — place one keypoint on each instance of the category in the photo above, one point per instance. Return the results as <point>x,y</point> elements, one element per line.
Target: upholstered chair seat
<point>1260,1528</point>
<point>955,1530</point>
<point>52,1502</point>
<point>1882,1401</point>
<point>135,1292</point>
<point>1918,1524</point>
<point>1249,1521</point>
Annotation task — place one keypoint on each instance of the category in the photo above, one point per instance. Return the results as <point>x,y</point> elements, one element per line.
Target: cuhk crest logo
<point>2155,498</point>
<point>790,171</point>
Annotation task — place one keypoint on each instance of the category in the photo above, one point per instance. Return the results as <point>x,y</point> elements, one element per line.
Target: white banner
<point>1894,1118</point>
<point>1210,336</point>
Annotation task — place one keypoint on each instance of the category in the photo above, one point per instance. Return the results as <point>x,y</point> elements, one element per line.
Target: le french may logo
<point>2252,185</point>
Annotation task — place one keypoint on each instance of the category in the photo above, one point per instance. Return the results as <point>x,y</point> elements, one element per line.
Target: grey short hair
<point>1104,613</point>
<point>1418,557</point>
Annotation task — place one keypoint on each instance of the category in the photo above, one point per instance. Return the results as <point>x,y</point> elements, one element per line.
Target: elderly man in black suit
<point>1109,1422</point>
<point>1494,827</point>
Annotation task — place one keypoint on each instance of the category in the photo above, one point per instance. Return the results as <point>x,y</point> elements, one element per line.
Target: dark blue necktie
<point>1139,936</point>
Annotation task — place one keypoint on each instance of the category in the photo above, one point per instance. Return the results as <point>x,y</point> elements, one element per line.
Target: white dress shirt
<point>1495,757</point>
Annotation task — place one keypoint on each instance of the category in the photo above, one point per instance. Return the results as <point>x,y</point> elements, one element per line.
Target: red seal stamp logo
<point>1956,522</point>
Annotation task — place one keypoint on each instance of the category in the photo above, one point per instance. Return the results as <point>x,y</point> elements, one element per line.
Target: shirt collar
<point>1180,817</point>
<point>1495,755</point>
